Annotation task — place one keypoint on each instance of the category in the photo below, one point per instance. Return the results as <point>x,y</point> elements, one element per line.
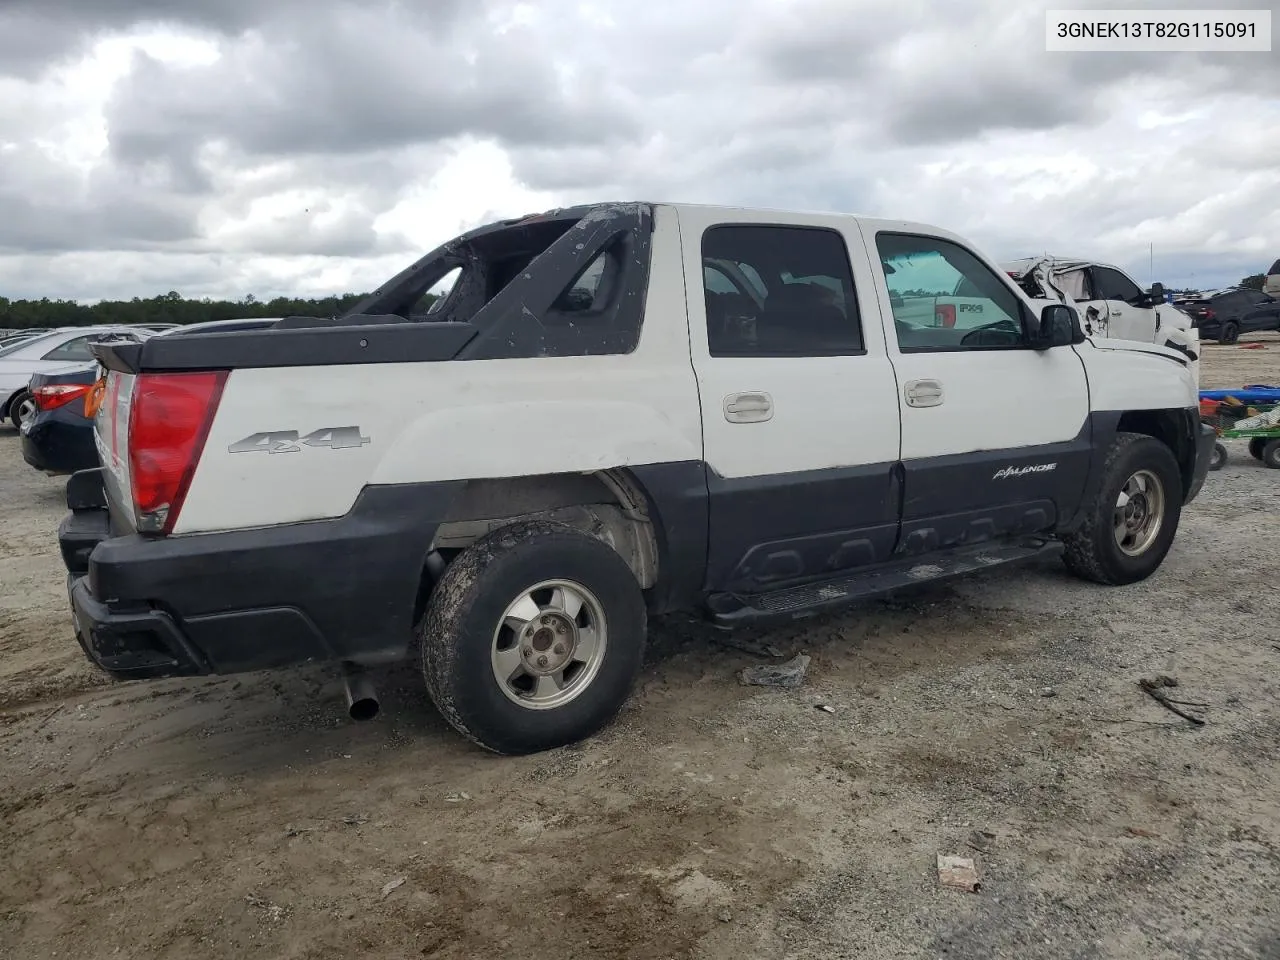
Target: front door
<point>801,433</point>
<point>995,435</point>
<point>1127,316</point>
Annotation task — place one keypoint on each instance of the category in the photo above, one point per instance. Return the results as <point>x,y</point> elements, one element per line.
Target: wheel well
<point>1174,428</point>
<point>610,505</point>
<point>8,401</point>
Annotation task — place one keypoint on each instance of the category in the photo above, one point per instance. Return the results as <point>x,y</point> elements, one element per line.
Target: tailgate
<point>111,435</point>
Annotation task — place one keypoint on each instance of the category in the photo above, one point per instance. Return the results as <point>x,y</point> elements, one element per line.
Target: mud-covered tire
<point>1093,551</point>
<point>1271,454</point>
<point>1218,458</point>
<point>458,635</point>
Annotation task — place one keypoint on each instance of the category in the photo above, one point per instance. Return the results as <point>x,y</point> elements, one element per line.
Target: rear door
<point>995,435</point>
<point>1127,318</point>
<point>800,422</point>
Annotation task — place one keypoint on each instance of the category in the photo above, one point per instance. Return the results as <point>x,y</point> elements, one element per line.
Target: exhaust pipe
<point>362,699</point>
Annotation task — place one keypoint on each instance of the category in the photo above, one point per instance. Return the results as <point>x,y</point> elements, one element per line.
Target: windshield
<point>22,344</point>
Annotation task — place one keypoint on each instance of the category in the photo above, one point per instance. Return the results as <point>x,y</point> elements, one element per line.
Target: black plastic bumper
<point>249,599</point>
<point>1205,440</point>
<point>59,445</point>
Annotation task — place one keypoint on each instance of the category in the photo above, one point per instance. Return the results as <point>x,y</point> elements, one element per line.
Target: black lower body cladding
<point>342,589</point>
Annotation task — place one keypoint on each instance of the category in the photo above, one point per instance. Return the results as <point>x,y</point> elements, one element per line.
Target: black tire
<point>1230,333</point>
<point>1271,454</point>
<point>1255,447</point>
<point>15,405</point>
<point>1092,552</point>
<point>1218,459</point>
<point>457,636</point>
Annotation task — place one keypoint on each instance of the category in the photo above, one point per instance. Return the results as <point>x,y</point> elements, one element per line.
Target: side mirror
<point>1157,291</point>
<point>1057,326</point>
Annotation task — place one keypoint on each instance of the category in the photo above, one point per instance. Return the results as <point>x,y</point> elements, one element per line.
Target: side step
<point>811,599</point>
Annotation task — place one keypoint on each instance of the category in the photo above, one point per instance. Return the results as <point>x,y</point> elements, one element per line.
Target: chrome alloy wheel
<point>549,644</point>
<point>1139,513</point>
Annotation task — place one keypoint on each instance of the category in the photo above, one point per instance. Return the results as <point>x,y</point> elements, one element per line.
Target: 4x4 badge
<point>288,441</point>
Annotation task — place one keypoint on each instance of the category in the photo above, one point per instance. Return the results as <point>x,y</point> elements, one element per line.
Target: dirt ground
<point>998,718</point>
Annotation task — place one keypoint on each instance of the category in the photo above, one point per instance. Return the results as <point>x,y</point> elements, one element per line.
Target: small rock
<point>726,916</point>
<point>825,708</point>
<point>1048,692</point>
<point>460,797</point>
<point>789,674</point>
<point>395,884</point>
<point>958,872</point>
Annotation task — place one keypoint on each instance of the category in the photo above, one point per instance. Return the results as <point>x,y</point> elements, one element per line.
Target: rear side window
<point>775,291</point>
<point>1275,268</point>
<point>77,349</point>
<point>1113,285</point>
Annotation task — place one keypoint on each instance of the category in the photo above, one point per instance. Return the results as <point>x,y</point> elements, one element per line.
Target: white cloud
<point>311,148</point>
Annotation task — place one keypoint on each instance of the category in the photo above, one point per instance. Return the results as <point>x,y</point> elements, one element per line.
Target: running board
<point>811,599</point>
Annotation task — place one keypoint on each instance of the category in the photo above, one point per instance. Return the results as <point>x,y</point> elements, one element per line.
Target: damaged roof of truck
<point>504,304</point>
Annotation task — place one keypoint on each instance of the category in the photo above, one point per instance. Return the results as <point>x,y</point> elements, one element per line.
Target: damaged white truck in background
<point>1110,303</point>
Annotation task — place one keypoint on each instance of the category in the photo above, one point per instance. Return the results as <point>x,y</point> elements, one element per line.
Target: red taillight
<point>169,419</point>
<point>1208,314</point>
<point>56,395</point>
<point>945,314</point>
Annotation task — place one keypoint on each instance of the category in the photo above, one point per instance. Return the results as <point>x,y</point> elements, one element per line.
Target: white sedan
<point>46,351</point>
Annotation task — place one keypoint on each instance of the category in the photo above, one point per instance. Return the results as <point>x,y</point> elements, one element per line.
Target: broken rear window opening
<point>567,283</point>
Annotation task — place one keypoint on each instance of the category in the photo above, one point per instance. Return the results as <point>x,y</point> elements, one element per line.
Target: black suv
<point>1225,314</point>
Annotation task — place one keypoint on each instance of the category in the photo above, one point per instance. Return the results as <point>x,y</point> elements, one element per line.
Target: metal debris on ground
<point>755,647</point>
<point>1155,690</point>
<point>789,674</point>
<point>396,884</point>
<point>958,872</point>
<point>824,707</point>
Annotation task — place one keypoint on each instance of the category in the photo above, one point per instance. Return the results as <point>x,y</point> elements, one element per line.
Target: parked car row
<point>45,385</point>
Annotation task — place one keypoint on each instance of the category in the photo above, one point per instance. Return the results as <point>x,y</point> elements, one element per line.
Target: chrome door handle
<point>755,407</point>
<point>923,393</point>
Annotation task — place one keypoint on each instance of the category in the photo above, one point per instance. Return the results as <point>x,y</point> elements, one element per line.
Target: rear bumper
<point>1205,440</point>
<point>249,599</point>
<point>59,446</point>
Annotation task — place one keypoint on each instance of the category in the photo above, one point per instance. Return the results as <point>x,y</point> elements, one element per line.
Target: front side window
<point>944,298</point>
<point>775,291</point>
<point>1114,285</point>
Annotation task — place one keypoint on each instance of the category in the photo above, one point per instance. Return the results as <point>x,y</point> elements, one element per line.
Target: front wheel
<point>533,638</point>
<point>1230,333</point>
<point>1129,527</point>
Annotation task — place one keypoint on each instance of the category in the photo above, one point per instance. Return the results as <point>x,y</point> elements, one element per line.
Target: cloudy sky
<point>229,147</point>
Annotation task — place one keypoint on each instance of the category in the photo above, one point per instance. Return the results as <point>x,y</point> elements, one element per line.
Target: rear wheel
<point>1130,526</point>
<point>1255,447</point>
<point>533,638</point>
<point>1218,459</point>
<point>1271,454</point>
<point>21,409</point>
<point>1230,333</point>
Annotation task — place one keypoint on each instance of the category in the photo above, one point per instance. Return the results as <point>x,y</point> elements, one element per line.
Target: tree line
<point>172,307</point>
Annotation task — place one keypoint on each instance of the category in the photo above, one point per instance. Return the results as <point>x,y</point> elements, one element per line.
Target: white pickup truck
<point>618,410</point>
<point>1110,302</point>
